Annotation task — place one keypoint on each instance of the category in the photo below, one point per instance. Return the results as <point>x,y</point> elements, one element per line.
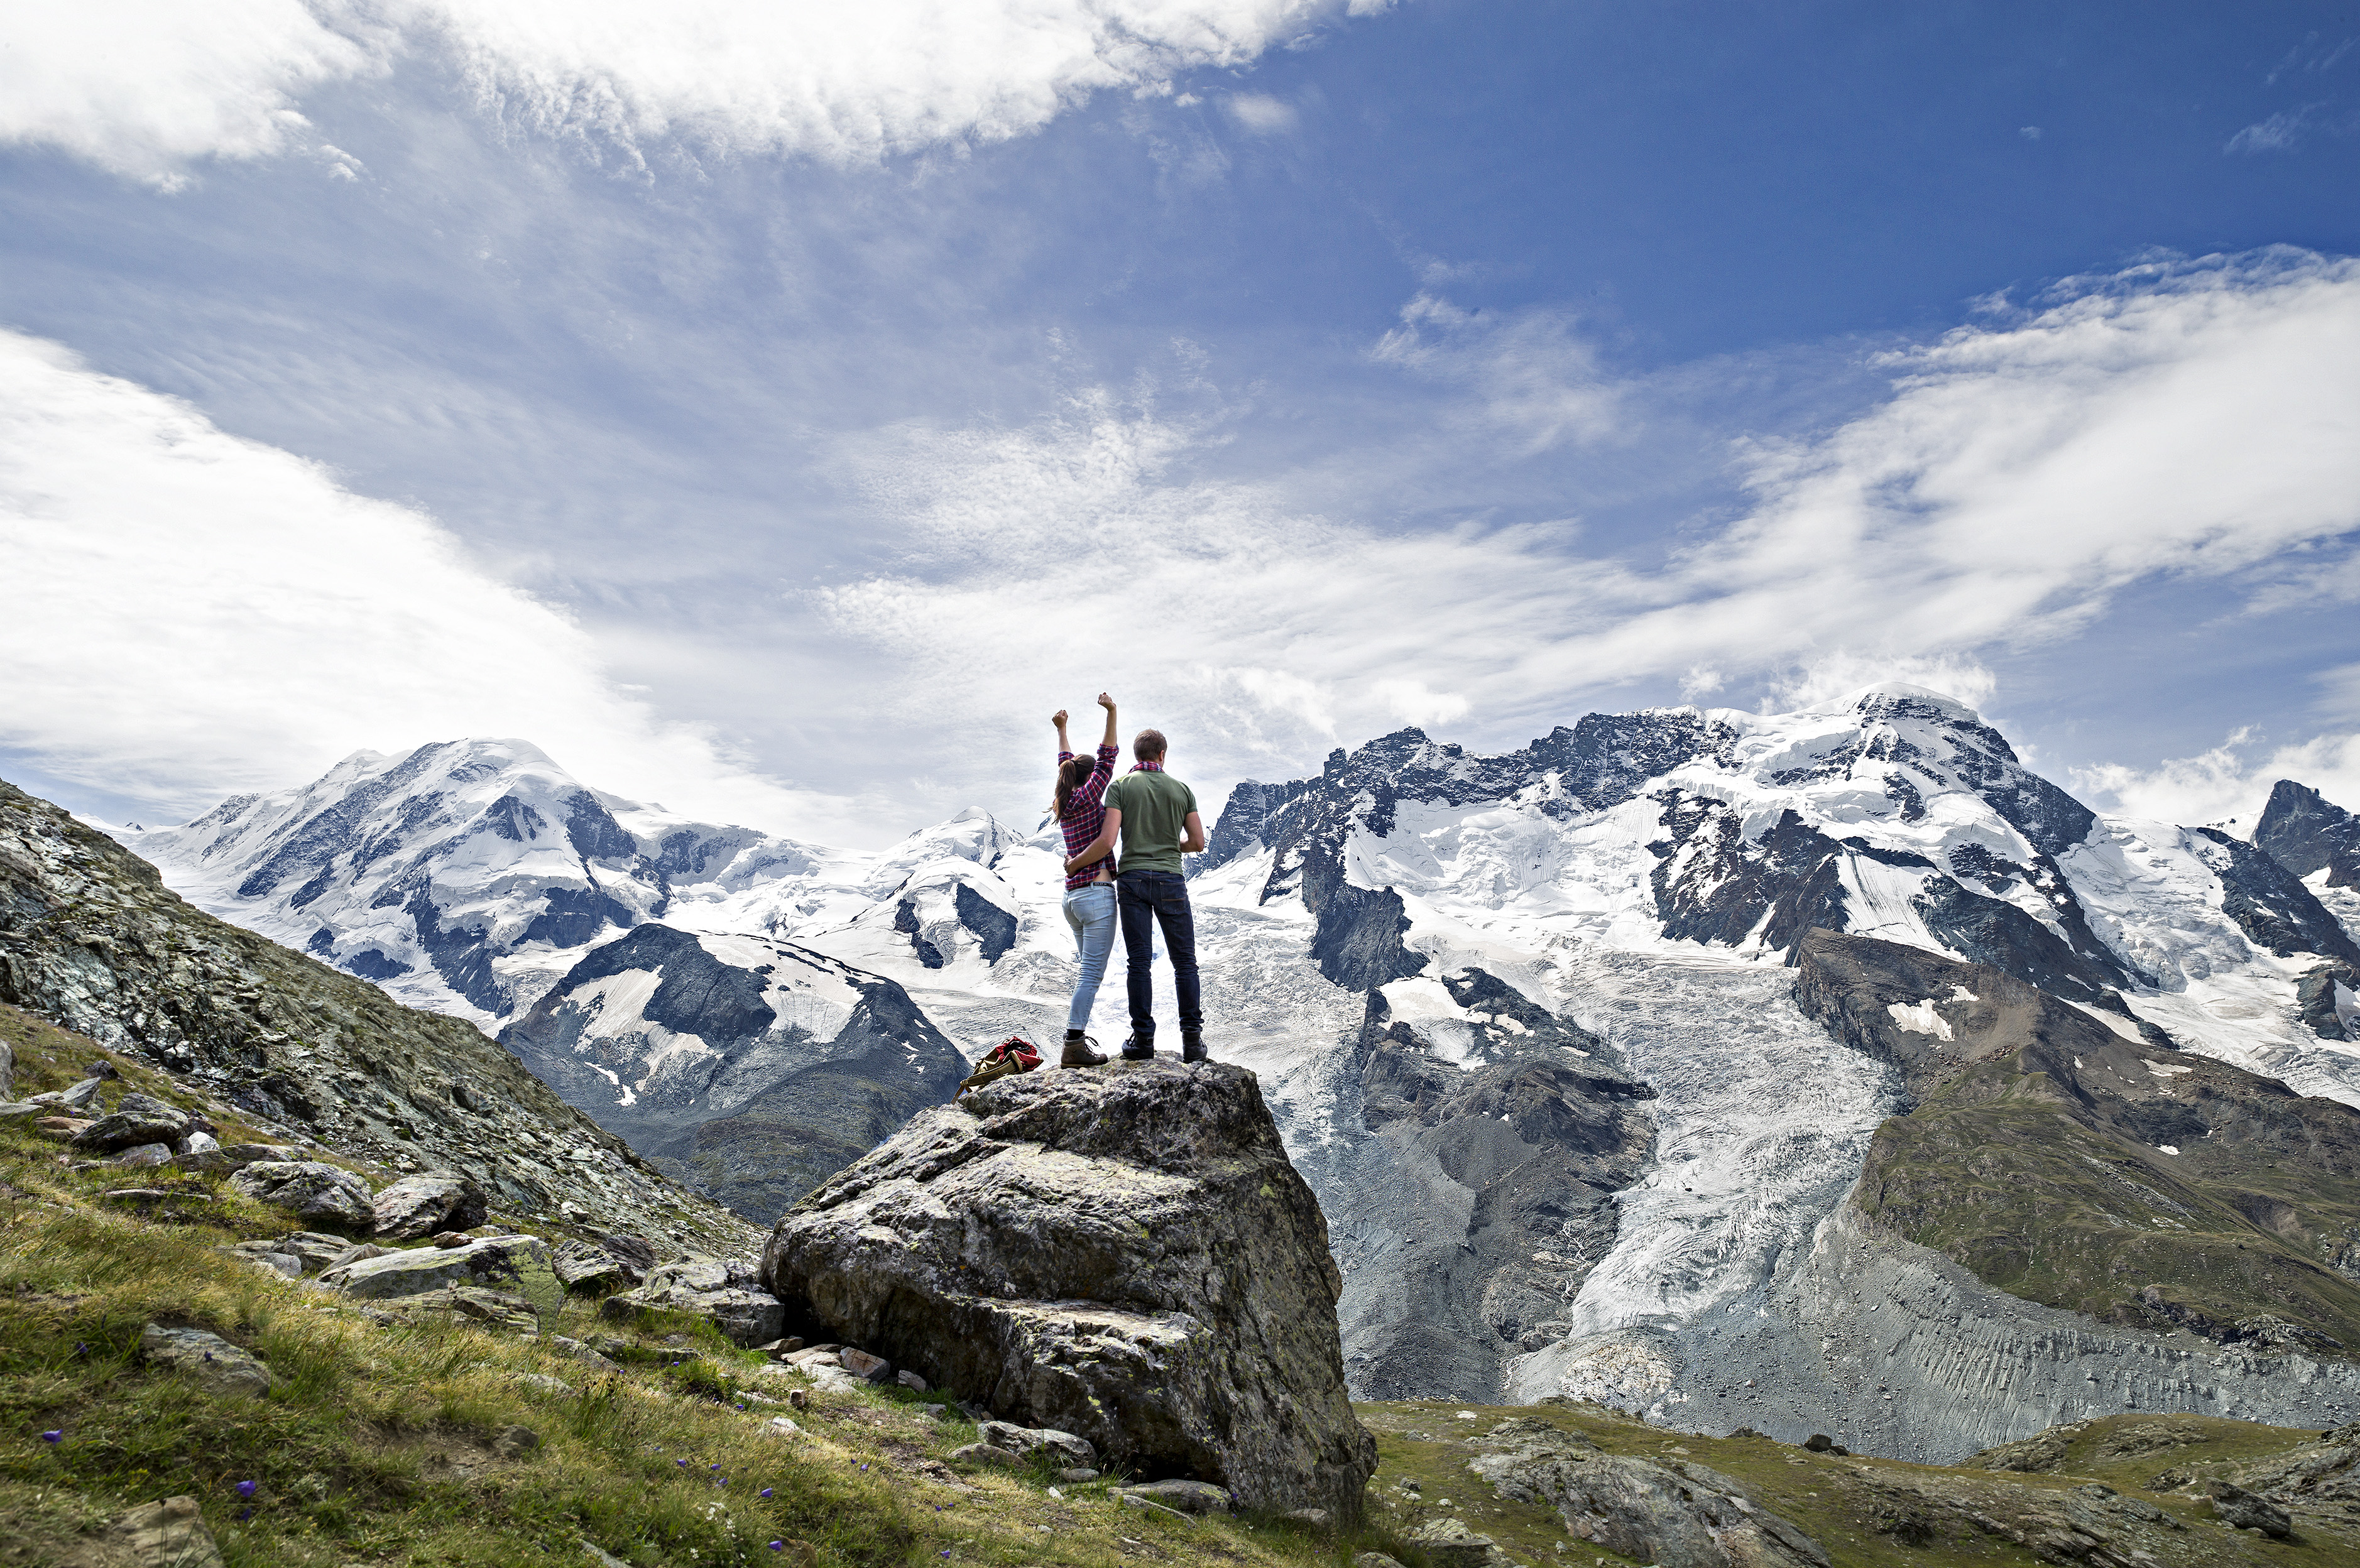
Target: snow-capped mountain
<point>1527,1020</point>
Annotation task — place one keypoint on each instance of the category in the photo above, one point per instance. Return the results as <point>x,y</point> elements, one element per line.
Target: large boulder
<point>426,1204</point>
<point>136,1119</point>
<point>1123,1253</point>
<point>323,1195</point>
<point>512,1264</point>
<point>732,1297</point>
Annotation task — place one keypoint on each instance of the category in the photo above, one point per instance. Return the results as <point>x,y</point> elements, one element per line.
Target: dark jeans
<point>1162,897</point>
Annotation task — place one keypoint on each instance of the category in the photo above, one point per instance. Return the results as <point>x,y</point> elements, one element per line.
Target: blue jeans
<point>1090,911</point>
<point>1160,897</point>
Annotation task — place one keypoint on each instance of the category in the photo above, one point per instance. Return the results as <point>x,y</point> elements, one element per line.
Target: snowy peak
<point>2308,833</point>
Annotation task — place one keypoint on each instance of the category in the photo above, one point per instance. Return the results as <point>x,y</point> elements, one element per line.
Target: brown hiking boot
<point>1078,1052</point>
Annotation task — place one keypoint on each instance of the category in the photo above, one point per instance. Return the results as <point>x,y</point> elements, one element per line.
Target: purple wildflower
<point>57,1436</point>
<point>245,1488</point>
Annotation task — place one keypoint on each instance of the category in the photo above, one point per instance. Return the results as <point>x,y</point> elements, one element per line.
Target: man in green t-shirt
<point>1156,815</point>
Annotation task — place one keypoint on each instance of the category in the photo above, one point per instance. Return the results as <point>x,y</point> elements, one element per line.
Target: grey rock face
<point>709,1288</point>
<point>420,1205</point>
<point>1677,1516</point>
<point>323,1195</point>
<point>219,1368</point>
<point>2305,832</point>
<point>1125,1253</point>
<point>581,1267</point>
<point>2240,1509</point>
<point>100,945</point>
<point>2272,905</point>
<point>1469,1199</point>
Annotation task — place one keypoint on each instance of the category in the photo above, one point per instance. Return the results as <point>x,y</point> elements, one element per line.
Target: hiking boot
<point>1191,1046</point>
<point>1078,1052</point>
<point>1139,1049</point>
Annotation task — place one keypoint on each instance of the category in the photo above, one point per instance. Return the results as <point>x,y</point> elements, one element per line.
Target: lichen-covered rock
<point>1449,1543</point>
<point>1674,1515</point>
<point>516,1265</point>
<point>2240,1509</point>
<point>1125,1253</point>
<point>1025,1441</point>
<point>422,1204</point>
<point>582,1267</point>
<point>170,1534</point>
<point>323,1195</point>
<point>219,1368</point>
<point>709,1288</point>
<point>136,1119</point>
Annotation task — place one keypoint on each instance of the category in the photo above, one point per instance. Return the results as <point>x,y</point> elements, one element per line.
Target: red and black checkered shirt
<point>1086,814</point>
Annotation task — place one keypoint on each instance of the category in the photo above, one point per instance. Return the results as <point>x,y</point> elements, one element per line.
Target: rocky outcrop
<point>90,938</point>
<point>2270,903</point>
<point>2307,832</point>
<point>1676,1515</point>
<point>512,1264</point>
<point>316,1192</point>
<point>427,1204</point>
<point>729,1293</point>
<point>1124,1254</point>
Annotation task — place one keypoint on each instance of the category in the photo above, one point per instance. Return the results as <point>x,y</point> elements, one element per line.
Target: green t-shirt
<point>1154,808</point>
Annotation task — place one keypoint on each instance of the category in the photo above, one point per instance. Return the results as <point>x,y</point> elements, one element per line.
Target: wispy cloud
<point>146,88</point>
<point>190,613</point>
<point>2283,131</point>
<point>1260,113</point>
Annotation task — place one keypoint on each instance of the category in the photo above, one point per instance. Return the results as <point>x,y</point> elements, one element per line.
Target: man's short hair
<point>1149,744</point>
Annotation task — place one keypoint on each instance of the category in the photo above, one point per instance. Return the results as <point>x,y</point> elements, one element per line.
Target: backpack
<point>1015,1055</point>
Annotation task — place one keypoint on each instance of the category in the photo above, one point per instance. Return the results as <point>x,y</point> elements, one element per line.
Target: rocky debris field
<point>303,1054</point>
<point>1124,1254</point>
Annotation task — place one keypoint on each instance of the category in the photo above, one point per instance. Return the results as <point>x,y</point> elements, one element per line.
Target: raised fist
<point>1104,701</point>
<point>1058,718</point>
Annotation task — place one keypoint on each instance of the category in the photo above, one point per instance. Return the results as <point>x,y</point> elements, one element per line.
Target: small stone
<point>82,1095</point>
<point>516,1441</point>
<point>451,1238</point>
<point>2241,1509</point>
<point>911,1381</point>
<point>321,1193</point>
<point>546,1384</point>
<point>779,1349</point>
<point>171,1531</point>
<point>136,1119</point>
<point>1077,1475</point>
<point>1375,1560</point>
<point>866,1368</point>
<point>202,1143</point>
<point>219,1368</point>
<point>581,1352</point>
<point>984,1453</point>
<point>426,1203</point>
<point>1187,1497</point>
<point>798,1399</point>
<point>1819,1442</point>
<point>141,1155</point>
<point>1311,1518</point>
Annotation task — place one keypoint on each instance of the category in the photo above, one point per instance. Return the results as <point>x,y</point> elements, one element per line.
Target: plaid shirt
<point>1085,815</point>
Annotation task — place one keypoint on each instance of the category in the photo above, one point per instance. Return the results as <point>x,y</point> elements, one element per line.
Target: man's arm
<point>1108,704</point>
<point>1101,847</point>
<point>1195,843</point>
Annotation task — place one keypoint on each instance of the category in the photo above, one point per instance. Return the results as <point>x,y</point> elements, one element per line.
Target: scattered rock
<point>779,1349</point>
<point>985,1453</point>
<point>170,1534</point>
<point>2037,1455</point>
<point>450,1238</point>
<point>135,1119</point>
<point>1077,1475</point>
<point>2240,1509</point>
<point>602,1557</point>
<point>139,1195</point>
<point>518,1264</point>
<point>1375,1560</point>
<point>1185,1497</point>
<point>582,1353</point>
<point>581,1267</point>
<point>357,1252</point>
<point>63,1127</point>
<point>428,1202</point>
<point>1681,1513</point>
<point>1024,1441</point>
<point>911,1381</point>
<point>866,1368</point>
<point>1125,1254</point>
<point>546,1384</point>
<point>141,1155</point>
<point>83,1094</point>
<point>323,1195</point>
<point>1310,1519</point>
<point>1449,1543</point>
<point>1819,1442</point>
<point>223,1159</point>
<point>219,1368</point>
<point>707,1287</point>
<point>514,1441</point>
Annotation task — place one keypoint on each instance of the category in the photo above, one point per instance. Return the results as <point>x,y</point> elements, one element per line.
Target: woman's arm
<point>1108,704</point>
<point>1058,718</point>
<point>1101,847</point>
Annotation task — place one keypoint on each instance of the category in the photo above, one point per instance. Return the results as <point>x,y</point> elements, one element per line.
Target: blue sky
<point>778,412</point>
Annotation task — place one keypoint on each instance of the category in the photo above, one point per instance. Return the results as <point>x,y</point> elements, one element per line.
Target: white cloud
<point>2029,133</point>
<point>1259,113</point>
<point>2174,421</point>
<point>143,87</point>
<point>191,613</point>
<point>2227,784</point>
<point>1531,372</point>
<point>2283,131</point>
